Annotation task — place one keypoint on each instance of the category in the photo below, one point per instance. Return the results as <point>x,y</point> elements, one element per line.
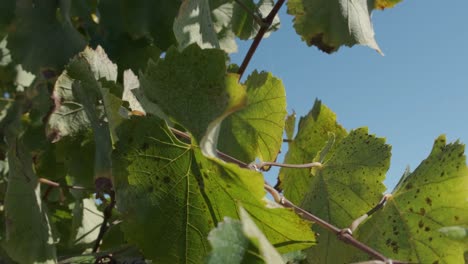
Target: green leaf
<point>194,81</point>
<point>348,185</point>
<point>28,237</point>
<point>312,136</point>
<point>430,198</point>
<point>156,174</point>
<point>241,242</point>
<point>290,125</point>
<point>43,37</point>
<point>332,24</point>
<point>7,13</point>
<point>222,22</point>
<point>151,19</point>
<point>256,130</point>
<point>84,86</point>
<point>87,220</point>
<point>193,24</point>
<point>244,25</point>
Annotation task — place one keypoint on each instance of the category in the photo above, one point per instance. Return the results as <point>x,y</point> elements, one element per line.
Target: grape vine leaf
<point>156,174</point>
<point>256,130</point>
<point>331,24</point>
<point>43,37</point>
<point>151,19</point>
<point>28,237</point>
<point>290,125</point>
<point>346,187</point>
<point>312,136</point>
<point>193,24</point>
<point>87,220</point>
<point>235,241</point>
<point>194,81</point>
<point>243,23</point>
<point>430,198</point>
<point>7,13</point>
<point>222,22</point>
<point>84,85</point>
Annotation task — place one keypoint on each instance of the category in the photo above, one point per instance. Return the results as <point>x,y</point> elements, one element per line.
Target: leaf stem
<point>57,185</point>
<point>258,38</point>
<point>105,221</point>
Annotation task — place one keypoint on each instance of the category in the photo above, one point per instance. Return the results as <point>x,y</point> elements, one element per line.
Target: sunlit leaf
<point>193,24</point>
<point>312,136</point>
<point>87,220</point>
<point>256,130</point>
<point>330,24</point>
<point>222,22</point>
<point>155,173</point>
<point>349,184</point>
<point>432,197</point>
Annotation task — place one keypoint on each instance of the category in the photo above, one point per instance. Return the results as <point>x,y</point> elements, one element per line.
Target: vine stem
<point>344,235</point>
<point>105,221</point>
<point>258,38</point>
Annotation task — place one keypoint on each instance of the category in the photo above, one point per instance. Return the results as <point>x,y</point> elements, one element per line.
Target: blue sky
<point>416,92</point>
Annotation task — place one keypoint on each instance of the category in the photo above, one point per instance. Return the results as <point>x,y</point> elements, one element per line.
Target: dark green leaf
<point>43,37</point>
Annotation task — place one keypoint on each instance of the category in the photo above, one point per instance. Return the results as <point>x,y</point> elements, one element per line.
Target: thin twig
<point>261,32</point>
<point>57,185</point>
<point>261,165</point>
<point>254,15</point>
<point>105,221</point>
<point>343,234</point>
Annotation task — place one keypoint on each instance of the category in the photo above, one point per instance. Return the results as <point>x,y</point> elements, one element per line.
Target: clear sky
<point>416,92</point>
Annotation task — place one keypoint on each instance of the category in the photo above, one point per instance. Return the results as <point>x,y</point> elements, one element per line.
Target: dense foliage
<point>128,137</point>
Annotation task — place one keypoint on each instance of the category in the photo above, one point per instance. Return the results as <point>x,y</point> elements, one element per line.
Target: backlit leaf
<point>432,197</point>
<point>312,136</point>
<point>155,173</point>
<point>349,184</point>
<point>256,130</point>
